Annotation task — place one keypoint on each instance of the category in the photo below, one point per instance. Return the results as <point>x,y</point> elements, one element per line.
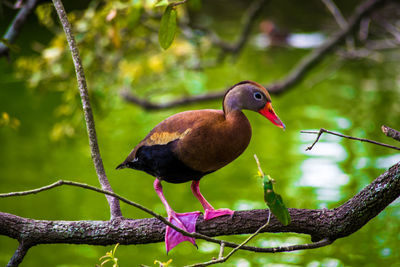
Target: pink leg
<point>185,221</point>
<point>209,211</point>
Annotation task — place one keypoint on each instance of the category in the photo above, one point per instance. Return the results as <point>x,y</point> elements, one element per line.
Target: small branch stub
<point>389,132</point>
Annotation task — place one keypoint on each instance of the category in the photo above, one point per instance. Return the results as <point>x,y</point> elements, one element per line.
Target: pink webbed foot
<point>185,221</point>
<point>212,213</point>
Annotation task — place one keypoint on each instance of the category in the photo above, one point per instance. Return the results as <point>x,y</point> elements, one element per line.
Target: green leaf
<point>167,30</point>
<point>274,202</point>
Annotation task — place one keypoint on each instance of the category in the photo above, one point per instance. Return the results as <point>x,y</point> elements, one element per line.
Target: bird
<point>191,144</point>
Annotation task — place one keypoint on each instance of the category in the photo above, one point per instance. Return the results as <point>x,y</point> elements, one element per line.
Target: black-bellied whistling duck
<point>191,144</point>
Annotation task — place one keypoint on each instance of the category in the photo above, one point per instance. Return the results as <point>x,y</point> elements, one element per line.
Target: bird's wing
<point>177,127</point>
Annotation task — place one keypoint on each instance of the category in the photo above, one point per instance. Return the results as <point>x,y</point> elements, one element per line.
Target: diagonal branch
<point>115,209</point>
<point>296,75</point>
<point>249,19</point>
<point>341,21</point>
<point>19,254</point>
<point>16,26</point>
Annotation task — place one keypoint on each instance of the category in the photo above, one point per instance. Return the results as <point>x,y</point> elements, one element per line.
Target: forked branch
<point>322,130</point>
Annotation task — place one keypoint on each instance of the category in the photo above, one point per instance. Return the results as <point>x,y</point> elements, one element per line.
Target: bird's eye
<point>257,95</point>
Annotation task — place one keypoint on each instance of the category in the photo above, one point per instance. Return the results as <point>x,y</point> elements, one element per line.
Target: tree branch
<point>391,132</point>
<point>295,75</point>
<point>341,21</point>
<point>327,225</point>
<point>249,19</point>
<point>115,209</point>
<point>129,97</point>
<point>322,130</point>
<point>16,26</point>
<point>19,254</point>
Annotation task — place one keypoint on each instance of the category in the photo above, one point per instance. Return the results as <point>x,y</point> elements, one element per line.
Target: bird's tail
<point>121,166</point>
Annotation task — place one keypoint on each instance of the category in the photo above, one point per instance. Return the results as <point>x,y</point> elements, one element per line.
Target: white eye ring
<point>257,96</point>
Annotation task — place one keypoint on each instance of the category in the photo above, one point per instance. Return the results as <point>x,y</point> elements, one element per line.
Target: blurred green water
<point>354,98</point>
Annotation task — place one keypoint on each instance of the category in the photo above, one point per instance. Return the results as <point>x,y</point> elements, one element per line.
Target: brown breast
<point>213,140</point>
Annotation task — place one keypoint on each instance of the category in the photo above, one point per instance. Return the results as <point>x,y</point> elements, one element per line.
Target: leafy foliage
<point>120,39</point>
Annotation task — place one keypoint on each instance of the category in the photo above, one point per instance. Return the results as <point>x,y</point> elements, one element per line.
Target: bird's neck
<point>236,119</point>
<point>232,102</point>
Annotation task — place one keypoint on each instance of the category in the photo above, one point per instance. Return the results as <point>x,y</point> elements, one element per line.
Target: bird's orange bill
<point>268,112</point>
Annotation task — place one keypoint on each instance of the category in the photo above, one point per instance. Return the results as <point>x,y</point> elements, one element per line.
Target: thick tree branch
<point>115,209</point>
<point>320,224</point>
<point>16,26</point>
<point>295,75</point>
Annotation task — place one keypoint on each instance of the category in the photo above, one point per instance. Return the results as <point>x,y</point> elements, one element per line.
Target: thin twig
<point>115,209</point>
<point>19,254</point>
<point>322,130</point>
<point>250,17</point>
<point>364,29</point>
<point>391,132</point>
<point>178,3</point>
<point>161,218</point>
<point>221,250</point>
<point>259,166</point>
<point>16,26</point>
<point>330,5</point>
<point>222,259</point>
<point>297,73</point>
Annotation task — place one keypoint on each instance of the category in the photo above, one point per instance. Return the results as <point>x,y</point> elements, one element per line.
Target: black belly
<point>161,162</point>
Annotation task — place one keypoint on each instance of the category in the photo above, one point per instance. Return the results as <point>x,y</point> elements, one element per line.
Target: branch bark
<point>319,224</point>
<point>389,132</point>
<point>19,254</point>
<point>115,209</point>
<point>297,73</point>
<point>16,26</point>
